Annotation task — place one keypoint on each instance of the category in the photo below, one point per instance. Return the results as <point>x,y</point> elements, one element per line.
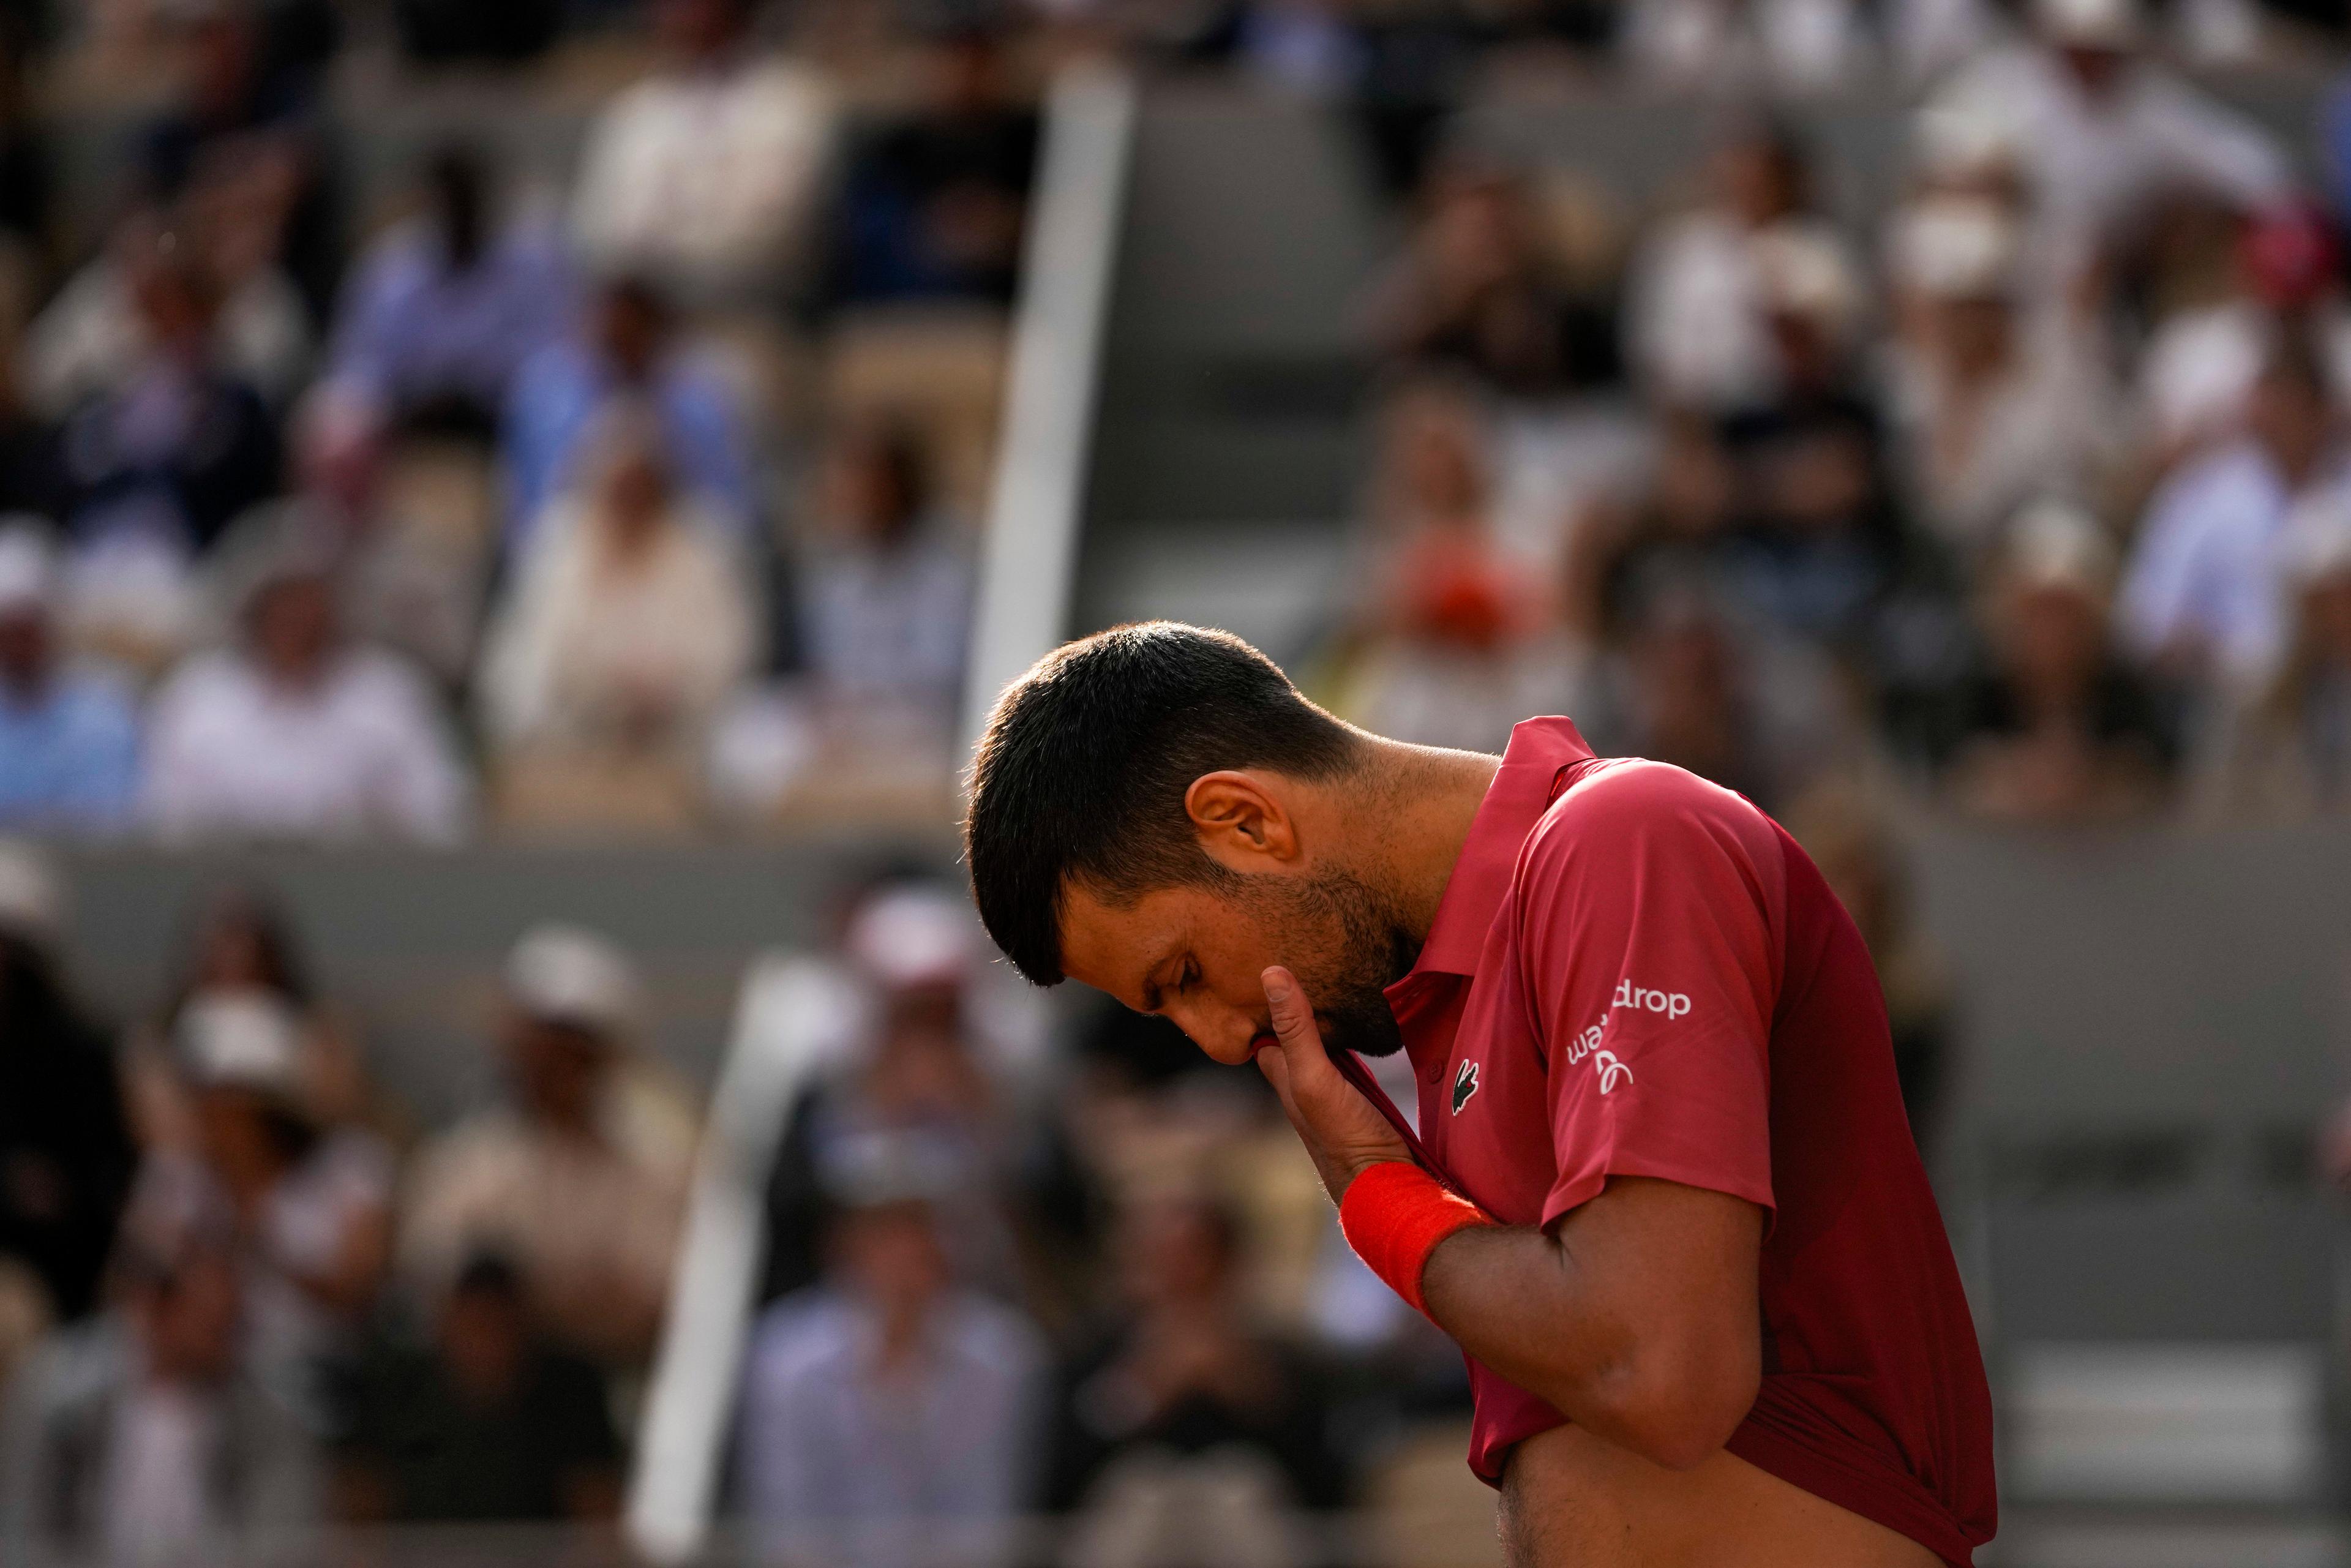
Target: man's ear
<point>1242,820</point>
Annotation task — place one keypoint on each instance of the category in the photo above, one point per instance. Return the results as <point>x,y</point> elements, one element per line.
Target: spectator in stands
<point>704,175</point>
<point>628,351</point>
<point>1452,619</point>
<point>245,130</point>
<point>310,1206</point>
<point>1996,404</point>
<point>2059,729</point>
<point>1185,1429</point>
<point>294,732</point>
<point>141,1440</point>
<point>2105,132</point>
<point>889,1414</point>
<point>581,1182</point>
<point>443,311</point>
<point>1695,685</point>
<point>1696,327</point>
<point>884,586</point>
<point>91,340</point>
<point>181,445</point>
<point>1820,539</point>
<point>2280,275</point>
<point>64,1151</point>
<point>628,620</point>
<point>1676,527</point>
<point>2200,594</point>
<point>69,737</point>
<point>2281,750</point>
<point>934,199</point>
<point>917,1067</point>
<point>241,943</point>
<point>486,1423</point>
<point>1478,290</point>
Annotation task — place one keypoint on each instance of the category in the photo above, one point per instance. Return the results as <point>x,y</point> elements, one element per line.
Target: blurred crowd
<point>1012,1268</point>
<point>451,488</point>
<point>632,489</point>
<point>2028,497</point>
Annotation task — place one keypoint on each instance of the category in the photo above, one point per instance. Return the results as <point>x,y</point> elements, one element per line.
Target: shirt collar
<point>1540,750</point>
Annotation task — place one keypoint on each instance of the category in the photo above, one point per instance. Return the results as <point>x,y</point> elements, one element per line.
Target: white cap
<point>561,974</point>
<point>1958,138</point>
<point>32,902</point>
<point>2317,545</point>
<point>2056,544</point>
<point>2089,24</point>
<point>28,566</point>
<point>913,935</point>
<point>242,1039</point>
<point>1956,247</point>
<point>1805,274</point>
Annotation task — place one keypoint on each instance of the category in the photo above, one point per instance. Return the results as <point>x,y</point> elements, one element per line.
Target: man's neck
<point>1425,801</point>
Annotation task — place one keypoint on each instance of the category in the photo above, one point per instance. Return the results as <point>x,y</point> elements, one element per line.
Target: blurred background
<point>509,514</point>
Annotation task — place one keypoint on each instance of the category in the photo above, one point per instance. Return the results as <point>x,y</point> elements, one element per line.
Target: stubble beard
<point>1374,950</point>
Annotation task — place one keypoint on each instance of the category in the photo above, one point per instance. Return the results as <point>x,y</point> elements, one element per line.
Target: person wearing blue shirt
<point>68,738</point>
<point>441,313</point>
<point>628,350</point>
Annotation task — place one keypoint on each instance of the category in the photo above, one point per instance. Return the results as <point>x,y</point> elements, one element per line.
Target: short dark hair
<point>1082,773</point>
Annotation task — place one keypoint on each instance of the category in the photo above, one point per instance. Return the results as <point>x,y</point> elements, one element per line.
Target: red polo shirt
<point>1635,973</point>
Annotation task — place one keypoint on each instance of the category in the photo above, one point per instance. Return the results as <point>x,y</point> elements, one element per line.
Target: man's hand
<point>1343,1131</point>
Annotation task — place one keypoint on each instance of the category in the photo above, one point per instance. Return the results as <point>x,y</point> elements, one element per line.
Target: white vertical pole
<point>779,1035</point>
<point>1030,554</point>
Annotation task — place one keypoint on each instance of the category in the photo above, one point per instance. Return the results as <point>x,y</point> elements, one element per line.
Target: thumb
<point>1293,1024</point>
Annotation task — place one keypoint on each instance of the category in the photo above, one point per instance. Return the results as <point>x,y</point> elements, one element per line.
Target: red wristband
<point>1393,1215</point>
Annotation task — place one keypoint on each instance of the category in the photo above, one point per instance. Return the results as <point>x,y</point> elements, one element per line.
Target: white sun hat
<point>565,974</point>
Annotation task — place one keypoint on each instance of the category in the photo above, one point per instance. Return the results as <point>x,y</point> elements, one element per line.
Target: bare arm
<point>1636,1316</point>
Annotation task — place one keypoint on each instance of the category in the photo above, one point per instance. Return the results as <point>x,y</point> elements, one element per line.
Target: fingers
<point>1310,1075</point>
<point>1293,1015</point>
<point>1276,1068</point>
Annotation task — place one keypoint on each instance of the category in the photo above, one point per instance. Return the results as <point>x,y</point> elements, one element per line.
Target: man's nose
<point>1224,1034</point>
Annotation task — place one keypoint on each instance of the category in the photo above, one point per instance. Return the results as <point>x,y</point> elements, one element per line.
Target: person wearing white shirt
<point>629,621</point>
<point>1995,404</point>
<point>704,175</point>
<point>1697,332</point>
<point>297,734</point>
<point>2104,132</point>
<point>2202,589</point>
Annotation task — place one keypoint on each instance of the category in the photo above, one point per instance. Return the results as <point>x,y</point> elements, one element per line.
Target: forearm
<point>1516,1301</point>
<point>1622,1318</point>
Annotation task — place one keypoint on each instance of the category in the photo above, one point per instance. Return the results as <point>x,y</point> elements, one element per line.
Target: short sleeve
<point>1647,903</point>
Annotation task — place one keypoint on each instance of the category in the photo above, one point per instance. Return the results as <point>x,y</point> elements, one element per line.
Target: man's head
<point>1157,811</point>
<point>574,1001</point>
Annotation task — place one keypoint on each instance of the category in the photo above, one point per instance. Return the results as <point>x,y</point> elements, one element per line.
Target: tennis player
<point>1662,1191</point>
